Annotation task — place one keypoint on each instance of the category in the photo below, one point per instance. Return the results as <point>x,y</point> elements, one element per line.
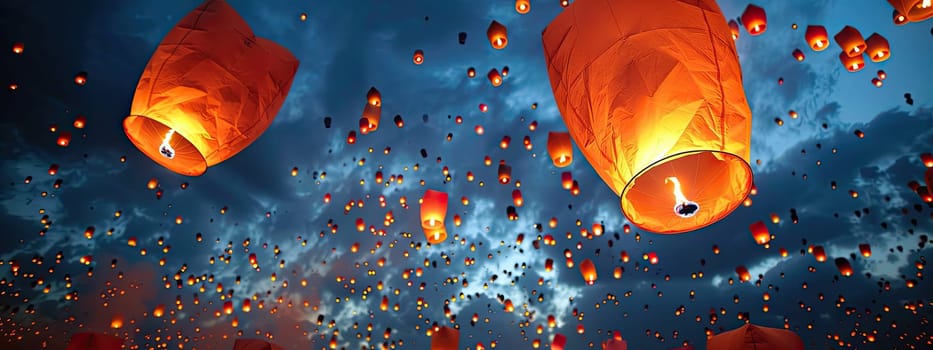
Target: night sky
<point>307,268</point>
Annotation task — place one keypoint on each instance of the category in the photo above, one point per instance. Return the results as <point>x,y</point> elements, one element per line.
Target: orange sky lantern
<point>498,35</point>
<point>898,18</point>
<point>505,173</point>
<point>865,250</point>
<point>79,122</point>
<point>928,177</point>
<point>433,214</point>
<point>913,10</point>
<point>851,41</point>
<point>494,77</point>
<point>254,344</point>
<point>187,120</point>
<point>817,38</point>
<point>743,273</point>
<point>757,337</point>
<point>615,344</point>
<point>852,63</point>
<point>445,338</point>
<point>522,6</point>
<point>760,232</point>
<point>588,270</point>
<point>798,55</point>
<point>18,48</point>
<point>755,19</point>
<point>680,131</point>
<point>64,138</point>
<point>418,57</point>
<point>370,119</point>
<point>560,148</point>
<point>878,49</point>
<point>374,97</point>
<point>927,159</point>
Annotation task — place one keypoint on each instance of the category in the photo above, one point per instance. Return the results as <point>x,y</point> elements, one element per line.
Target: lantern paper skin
<point>760,232</point>
<point>213,82</point>
<point>94,341</point>
<point>560,148</point>
<point>522,6</point>
<point>755,20</point>
<point>254,344</point>
<point>878,49</point>
<point>817,38</point>
<point>853,64</point>
<point>497,35</point>
<point>614,344</point>
<point>559,342</point>
<point>912,10</point>
<point>433,213</point>
<point>851,41</point>
<point>752,337</point>
<point>651,94</point>
<point>445,338</point>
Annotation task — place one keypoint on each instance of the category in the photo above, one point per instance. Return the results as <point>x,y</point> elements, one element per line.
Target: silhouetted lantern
<point>188,119</point>
<point>640,103</point>
<point>588,271</point>
<point>445,338</point>
<point>471,72</point>
<point>560,148</point>
<point>817,38</point>
<point>433,214</point>
<point>327,122</point>
<point>522,6</point>
<point>743,273</point>
<point>818,253</point>
<point>94,341</point>
<point>418,57</point>
<point>559,342</point>
<point>878,49</point>
<point>494,77</point>
<point>505,173</point>
<point>18,48</point>
<point>755,337</point>
<point>461,38</point>
<point>498,35</point>
<point>754,19</point>
<point>913,10</point>
<point>64,138</point>
<point>852,63</point>
<point>844,267</point>
<point>760,232</point>
<point>851,41</point>
<point>254,344</point>
<point>399,122</point>
<point>927,159</point>
<point>373,97</point>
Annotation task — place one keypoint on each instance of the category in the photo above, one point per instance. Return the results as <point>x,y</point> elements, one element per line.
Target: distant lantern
<point>898,18</point>
<point>116,322</point>
<point>517,198</point>
<point>754,19</point>
<point>757,337</point>
<point>559,342</point>
<point>818,253</point>
<point>399,122</point>
<point>913,10</point>
<point>505,173</point>
<point>461,38</point>
<point>433,213</point>
<point>878,49</point>
<point>373,97</point>
<point>564,3</point>
<point>655,138</point>
<point>445,338</point>
<point>370,119</point>
<point>187,120</point>
<point>498,35</point>
<point>94,341</point>
<point>494,78</point>
<point>418,57</point>
<point>844,267</point>
<point>81,78</point>
<point>734,29</point>
<point>560,148</point>
<point>588,270</point>
<point>851,41</point>
<point>64,138</point>
<point>865,250</point>
<point>798,55</point>
<point>882,75</point>
<point>760,232</point>
<point>852,64</point>
<point>471,72</point>
<point>817,38</point>
<point>522,6</point>
<point>18,48</point>
<point>566,180</point>
<point>79,122</point>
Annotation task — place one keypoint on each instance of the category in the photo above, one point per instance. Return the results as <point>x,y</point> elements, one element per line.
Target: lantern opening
<point>683,207</point>
<point>166,147</point>
<point>925,4</point>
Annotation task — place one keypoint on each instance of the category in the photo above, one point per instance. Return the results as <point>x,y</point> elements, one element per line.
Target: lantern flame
<point>165,148</point>
<point>683,207</point>
<point>925,4</point>
<point>819,43</point>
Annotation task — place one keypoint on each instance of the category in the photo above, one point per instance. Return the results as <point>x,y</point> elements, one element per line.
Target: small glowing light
<point>683,207</point>
<point>165,148</point>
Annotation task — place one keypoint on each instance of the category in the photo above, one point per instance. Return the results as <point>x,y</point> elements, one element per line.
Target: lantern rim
<point>728,195</point>
<point>147,134</point>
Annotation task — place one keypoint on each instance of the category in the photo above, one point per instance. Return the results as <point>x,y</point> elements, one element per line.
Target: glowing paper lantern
<point>913,10</point>
<point>865,249</point>
<point>927,159</point>
<point>560,148</point>
<point>851,41</point>
<point>844,267</point>
<point>817,38</point>
<point>494,77</point>
<point>560,341</point>
<point>898,18</point>
<point>505,173</point>
<point>878,49</point>
<point>522,6</point>
<point>433,213</point>
<point>497,35</point>
<point>94,341</point>
<point>760,232</point>
<point>754,19</point>
<point>798,55</point>
<point>755,337</point>
<point>188,119</point>
<point>445,338</point>
<point>852,63</point>
<point>254,344</point>
<point>588,270</point>
<point>614,344</point>
<point>671,139</point>
<point>743,273</point>
<point>418,57</point>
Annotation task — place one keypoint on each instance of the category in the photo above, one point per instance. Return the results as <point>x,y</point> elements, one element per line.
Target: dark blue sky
<point>347,46</point>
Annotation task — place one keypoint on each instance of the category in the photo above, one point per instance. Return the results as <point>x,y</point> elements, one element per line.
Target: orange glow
<point>522,6</point>
<point>494,78</point>
<point>755,19</point>
<point>851,41</point>
<point>418,57</point>
<point>445,338</point>
<point>588,270</point>
<point>18,48</point>
<point>497,35</point>
<point>760,232</point>
<point>433,214</point>
<point>852,64</point>
<point>817,38</point>
<point>878,49</point>
<point>560,148</point>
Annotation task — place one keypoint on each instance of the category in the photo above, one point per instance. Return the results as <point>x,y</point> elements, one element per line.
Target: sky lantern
<point>505,173</point>
<point>560,148</point>
<point>927,159</point>
<point>498,35</point>
<point>374,97</point>
<point>851,41</point>
<point>517,198</point>
<point>369,122</point>
<point>254,344</point>
<point>817,38</point>
<point>844,267</point>
<point>755,337</point>
<point>471,72</point>
<point>418,57</point>
<point>94,341</point>
<point>852,63</point>
<point>760,232</point>
<point>559,341</point>
<point>588,270</point>
<point>494,77</point>
<point>913,10</point>
<point>754,19</point>
<point>566,180</point>
<point>445,338</point>
<point>675,145</point>
<point>116,322</point>
<point>522,6</point>
<point>898,18</point>
<point>433,213</point>
<point>614,344</point>
<point>734,29</point>
<point>187,120</point>
<point>877,48</point>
